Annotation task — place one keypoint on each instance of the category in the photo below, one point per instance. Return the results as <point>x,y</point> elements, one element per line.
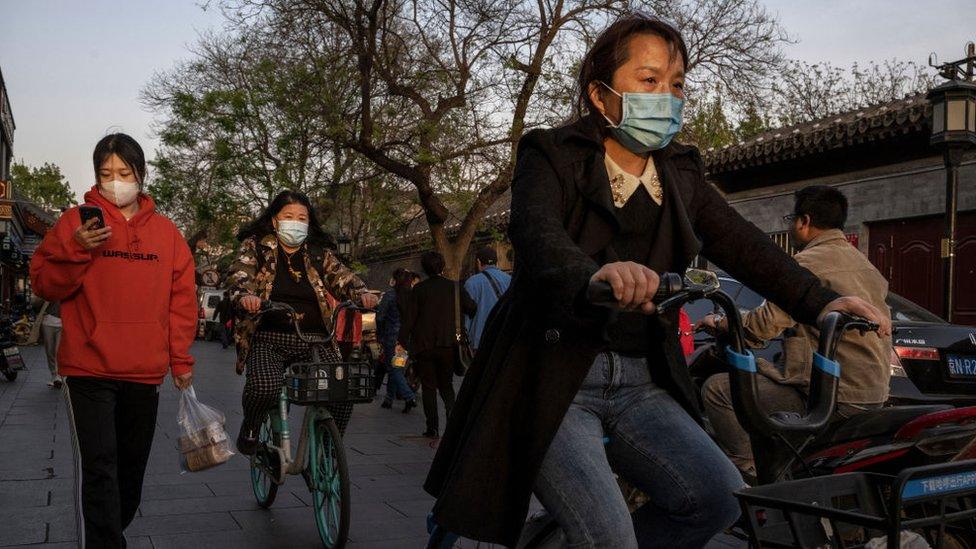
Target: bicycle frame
<point>308,441</point>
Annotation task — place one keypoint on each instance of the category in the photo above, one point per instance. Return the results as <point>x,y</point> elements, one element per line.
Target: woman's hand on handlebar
<point>369,300</point>
<point>859,307</point>
<point>712,324</point>
<point>634,285</point>
<point>251,303</point>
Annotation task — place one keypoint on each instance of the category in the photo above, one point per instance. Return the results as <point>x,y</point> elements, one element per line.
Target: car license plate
<point>962,366</point>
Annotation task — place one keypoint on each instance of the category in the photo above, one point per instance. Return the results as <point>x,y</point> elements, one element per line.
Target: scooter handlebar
<point>824,382</point>
<point>675,291</point>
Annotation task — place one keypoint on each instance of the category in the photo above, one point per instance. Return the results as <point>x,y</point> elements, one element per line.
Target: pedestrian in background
<point>381,367</point>
<point>485,288</point>
<point>224,315</point>
<point>51,336</point>
<point>428,331</point>
<point>388,315</point>
<point>129,306</point>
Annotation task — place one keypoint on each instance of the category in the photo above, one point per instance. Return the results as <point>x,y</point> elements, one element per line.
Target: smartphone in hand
<point>88,212</point>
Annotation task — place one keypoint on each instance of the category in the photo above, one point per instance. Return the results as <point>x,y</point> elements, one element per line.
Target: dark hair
<point>126,148</point>
<point>432,263</point>
<point>263,226</point>
<point>402,279</point>
<point>610,51</point>
<point>826,206</point>
<point>486,255</point>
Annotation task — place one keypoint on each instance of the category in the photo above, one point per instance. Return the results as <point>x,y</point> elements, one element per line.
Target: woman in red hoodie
<point>128,308</point>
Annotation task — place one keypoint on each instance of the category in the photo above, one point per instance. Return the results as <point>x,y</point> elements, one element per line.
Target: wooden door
<point>965,309</point>
<point>908,253</point>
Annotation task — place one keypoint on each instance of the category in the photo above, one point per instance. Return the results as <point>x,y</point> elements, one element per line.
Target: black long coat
<point>542,337</point>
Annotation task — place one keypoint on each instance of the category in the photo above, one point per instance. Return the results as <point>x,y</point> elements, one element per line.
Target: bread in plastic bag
<point>203,440</point>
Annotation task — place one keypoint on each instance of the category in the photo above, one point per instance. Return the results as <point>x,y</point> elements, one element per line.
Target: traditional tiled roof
<point>417,234</point>
<point>873,123</point>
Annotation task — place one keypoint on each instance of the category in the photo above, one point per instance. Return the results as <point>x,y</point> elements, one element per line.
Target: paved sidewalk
<point>215,508</point>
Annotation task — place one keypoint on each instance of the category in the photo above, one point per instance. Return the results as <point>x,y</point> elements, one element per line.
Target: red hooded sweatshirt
<point>129,306</point>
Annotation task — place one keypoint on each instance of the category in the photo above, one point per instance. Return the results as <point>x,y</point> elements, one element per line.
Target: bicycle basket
<point>329,382</point>
<point>864,509</point>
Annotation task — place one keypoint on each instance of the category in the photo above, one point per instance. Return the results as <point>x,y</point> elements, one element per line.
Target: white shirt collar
<point>623,184</point>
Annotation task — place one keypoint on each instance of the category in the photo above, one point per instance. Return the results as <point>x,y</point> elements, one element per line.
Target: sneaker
<point>386,404</point>
<point>56,382</point>
<point>409,405</point>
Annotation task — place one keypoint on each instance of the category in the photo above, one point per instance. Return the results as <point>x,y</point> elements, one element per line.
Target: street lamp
<point>345,245</point>
<point>954,130</point>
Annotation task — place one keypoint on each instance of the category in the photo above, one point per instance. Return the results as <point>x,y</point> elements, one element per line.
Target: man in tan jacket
<point>817,222</point>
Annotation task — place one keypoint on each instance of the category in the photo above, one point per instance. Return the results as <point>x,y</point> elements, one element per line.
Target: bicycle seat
<point>876,422</point>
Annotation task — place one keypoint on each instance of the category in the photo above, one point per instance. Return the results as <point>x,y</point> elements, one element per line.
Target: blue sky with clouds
<point>74,69</point>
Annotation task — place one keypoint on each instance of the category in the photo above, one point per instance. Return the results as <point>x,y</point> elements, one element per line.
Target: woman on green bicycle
<point>285,257</point>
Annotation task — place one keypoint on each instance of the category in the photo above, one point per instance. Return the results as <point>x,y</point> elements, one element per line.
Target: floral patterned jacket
<point>331,280</point>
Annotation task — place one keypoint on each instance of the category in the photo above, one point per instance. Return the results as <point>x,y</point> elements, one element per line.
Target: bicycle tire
<point>331,517</point>
<point>265,487</point>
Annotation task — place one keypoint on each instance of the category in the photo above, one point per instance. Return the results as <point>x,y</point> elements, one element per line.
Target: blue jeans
<point>396,381</point>
<point>655,445</point>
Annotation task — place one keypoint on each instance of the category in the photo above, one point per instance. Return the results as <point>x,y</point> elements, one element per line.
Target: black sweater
<point>638,218</point>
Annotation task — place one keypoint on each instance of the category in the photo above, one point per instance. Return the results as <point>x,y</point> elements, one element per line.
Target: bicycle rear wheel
<point>264,461</point>
<point>330,491</point>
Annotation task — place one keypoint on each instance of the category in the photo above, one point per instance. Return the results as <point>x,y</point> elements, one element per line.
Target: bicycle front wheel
<point>330,487</point>
<point>263,462</point>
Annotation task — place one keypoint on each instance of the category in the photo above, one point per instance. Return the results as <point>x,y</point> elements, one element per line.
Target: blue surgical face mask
<point>649,122</point>
<point>292,233</point>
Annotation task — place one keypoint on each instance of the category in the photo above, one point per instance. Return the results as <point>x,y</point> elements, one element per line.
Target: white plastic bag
<point>203,441</point>
<point>908,540</point>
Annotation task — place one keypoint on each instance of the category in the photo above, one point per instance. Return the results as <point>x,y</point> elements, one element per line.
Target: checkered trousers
<point>271,353</point>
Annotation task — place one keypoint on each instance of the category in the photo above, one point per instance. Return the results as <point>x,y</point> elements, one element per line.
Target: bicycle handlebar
<point>601,293</point>
<point>276,306</point>
<point>676,291</point>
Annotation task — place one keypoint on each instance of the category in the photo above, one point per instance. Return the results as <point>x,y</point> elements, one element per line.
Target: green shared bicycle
<point>320,459</point>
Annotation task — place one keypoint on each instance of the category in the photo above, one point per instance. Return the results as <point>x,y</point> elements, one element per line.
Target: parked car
<point>932,361</point>
<point>207,325</point>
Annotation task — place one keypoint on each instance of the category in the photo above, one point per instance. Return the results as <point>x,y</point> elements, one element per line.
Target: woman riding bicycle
<point>285,257</point>
<point>561,393</point>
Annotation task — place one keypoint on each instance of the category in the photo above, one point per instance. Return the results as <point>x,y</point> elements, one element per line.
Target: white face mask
<point>292,233</point>
<point>120,193</point>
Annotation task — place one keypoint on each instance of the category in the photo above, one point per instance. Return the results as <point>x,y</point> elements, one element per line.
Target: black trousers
<point>114,422</point>
<point>226,336</point>
<point>435,367</point>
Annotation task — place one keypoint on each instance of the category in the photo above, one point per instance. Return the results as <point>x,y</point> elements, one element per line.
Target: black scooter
<point>932,501</point>
<point>819,511</point>
<point>11,361</point>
